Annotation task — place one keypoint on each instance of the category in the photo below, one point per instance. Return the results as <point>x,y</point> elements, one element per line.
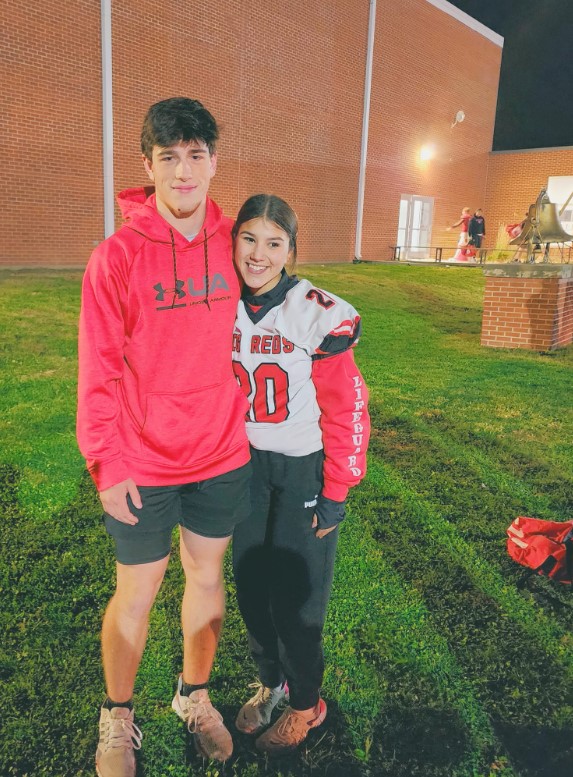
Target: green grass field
<point>438,664</point>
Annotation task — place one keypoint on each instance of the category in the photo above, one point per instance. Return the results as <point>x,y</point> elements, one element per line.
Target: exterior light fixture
<point>427,152</point>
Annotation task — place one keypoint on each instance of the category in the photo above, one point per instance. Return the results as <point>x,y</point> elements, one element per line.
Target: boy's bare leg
<point>125,625</point>
<point>202,614</point>
<point>203,605</point>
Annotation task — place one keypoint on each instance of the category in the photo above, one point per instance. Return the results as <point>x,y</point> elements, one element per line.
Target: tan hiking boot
<point>291,729</point>
<point>118,738</point>
<point>256,713</point>
<point>212,740</point>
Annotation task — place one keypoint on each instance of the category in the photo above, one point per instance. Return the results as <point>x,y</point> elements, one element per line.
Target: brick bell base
<point>528,306</point>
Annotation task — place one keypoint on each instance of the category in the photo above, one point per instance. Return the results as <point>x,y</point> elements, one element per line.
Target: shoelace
<point>123,733</point>
<point>201,712</point>
<point>263,694</point>
<point>293,723</point>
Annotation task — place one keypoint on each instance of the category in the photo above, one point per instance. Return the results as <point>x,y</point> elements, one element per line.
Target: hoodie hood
<point>139,210</point>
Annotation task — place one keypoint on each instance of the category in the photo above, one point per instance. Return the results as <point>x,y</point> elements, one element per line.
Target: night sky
<point>535,102</point>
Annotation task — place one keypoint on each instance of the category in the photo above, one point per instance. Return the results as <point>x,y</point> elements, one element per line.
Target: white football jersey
<point>273,352</point>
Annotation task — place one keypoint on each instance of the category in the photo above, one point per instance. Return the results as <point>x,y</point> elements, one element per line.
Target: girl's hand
<point>321,532</point>
<point>329,514</point>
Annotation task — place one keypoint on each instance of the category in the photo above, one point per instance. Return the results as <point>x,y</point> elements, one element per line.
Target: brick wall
<point>428,66</point>
<point>528,307</point>
<point>51,200</point>
<point>279,79</point>
<point>286,82</point>
<point>564,313</point>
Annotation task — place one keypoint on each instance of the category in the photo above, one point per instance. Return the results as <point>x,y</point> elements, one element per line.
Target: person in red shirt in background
<point>463,223</point>
<point>308,426</point>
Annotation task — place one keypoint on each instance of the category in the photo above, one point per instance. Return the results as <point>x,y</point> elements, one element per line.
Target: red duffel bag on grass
<point>546,547</point>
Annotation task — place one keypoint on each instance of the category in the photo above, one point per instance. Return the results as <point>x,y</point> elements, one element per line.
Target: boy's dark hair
<point>178,119</point>
<point>271,208</point>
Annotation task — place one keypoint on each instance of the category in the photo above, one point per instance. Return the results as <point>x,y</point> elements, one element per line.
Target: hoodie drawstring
<point>206,260</point>
<point>174,269</point>
<point>206,257</point>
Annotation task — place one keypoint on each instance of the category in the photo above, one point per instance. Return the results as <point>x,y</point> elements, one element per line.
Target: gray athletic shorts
<point>210,508</point>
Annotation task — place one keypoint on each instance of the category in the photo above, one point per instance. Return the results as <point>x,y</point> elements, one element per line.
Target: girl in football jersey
<point>308,426</point>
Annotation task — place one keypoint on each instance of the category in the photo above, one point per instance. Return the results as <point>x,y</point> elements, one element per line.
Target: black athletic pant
<point>284,573</point>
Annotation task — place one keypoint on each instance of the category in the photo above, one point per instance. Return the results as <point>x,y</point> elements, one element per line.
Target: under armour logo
<point>161,292</point>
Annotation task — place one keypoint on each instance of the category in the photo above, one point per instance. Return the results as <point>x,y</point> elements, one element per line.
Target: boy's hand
<point>114,501</point>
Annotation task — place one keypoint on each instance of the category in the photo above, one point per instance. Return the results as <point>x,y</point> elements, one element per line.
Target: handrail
<point>562,253</point>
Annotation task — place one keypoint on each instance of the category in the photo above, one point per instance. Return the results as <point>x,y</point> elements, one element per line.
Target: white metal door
<point>415,226</point>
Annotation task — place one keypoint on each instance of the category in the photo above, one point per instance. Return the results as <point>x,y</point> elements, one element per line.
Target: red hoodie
<point>157,398</point>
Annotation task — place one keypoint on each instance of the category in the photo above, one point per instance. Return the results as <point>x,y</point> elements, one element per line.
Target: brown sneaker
<point>291,729</point>
<point>118,738</point>
<point>212,740</point>
<point>256,713</point>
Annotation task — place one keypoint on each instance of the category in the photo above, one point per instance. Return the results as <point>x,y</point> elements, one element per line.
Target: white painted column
<point>107,117</point>
<point>365,120</point>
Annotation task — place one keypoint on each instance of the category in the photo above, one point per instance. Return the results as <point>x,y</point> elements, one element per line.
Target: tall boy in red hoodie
<point>161,418</point>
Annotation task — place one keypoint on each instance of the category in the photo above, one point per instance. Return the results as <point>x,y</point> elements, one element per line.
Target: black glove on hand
<point>329,513</point>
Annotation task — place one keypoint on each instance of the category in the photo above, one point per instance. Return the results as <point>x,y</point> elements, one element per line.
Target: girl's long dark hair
<point>271,208</point>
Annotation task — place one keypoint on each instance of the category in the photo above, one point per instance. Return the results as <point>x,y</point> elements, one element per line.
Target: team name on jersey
<point>264,344</point>
<point>358,427</point>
